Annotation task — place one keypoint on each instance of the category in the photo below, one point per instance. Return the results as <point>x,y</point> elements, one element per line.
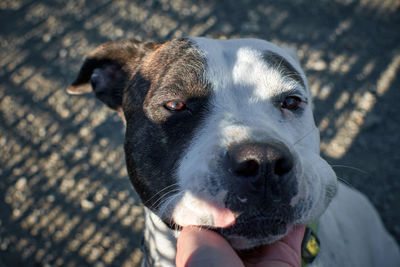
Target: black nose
<point>260,162</point>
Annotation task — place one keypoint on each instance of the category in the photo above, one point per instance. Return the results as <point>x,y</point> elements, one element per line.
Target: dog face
<point>219,133</point>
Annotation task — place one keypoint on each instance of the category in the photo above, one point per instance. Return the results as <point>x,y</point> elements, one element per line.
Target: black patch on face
<point>284,66</point>
<point>264,213</point>
<point>156,137</point>
<point>257,227</point>
<point>258,221</point>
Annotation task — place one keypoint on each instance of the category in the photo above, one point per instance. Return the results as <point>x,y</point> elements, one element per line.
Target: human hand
<point>200,247</point>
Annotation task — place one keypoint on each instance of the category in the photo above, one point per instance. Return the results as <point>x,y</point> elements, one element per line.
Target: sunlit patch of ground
<point>65,198</point>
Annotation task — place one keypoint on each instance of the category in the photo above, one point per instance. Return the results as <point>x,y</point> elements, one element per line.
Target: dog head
<point>219,133</point>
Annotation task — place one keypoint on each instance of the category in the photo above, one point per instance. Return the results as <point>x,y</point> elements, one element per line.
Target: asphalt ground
<point>65,199</point>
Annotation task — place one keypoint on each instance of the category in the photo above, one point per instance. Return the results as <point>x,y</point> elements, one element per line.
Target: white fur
<point>241,109</point>
<point>352,234</point>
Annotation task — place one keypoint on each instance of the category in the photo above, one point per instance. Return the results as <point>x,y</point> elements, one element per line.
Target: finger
<point>295,237</point>
<point>200,247</point>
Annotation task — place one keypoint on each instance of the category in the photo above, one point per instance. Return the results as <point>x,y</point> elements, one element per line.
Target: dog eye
<point>175,105</point>
<point>291,103</point>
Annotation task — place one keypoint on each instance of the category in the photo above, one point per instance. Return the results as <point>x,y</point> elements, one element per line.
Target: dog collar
<point>310,245</point>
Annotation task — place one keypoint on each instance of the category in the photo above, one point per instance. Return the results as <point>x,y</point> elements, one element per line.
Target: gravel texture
<point>65,198</point>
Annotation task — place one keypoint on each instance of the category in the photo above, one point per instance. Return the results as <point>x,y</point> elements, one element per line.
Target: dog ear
<point>107,69</point>
<point>293,54</point>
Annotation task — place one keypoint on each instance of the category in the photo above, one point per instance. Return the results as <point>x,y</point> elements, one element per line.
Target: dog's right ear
<point>290,51</point>
<point>107,69</point>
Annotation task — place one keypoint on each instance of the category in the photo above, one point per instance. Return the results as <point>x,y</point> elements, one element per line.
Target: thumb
<point>200,247</point>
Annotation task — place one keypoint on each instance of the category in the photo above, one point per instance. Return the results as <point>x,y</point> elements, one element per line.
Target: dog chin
<point>252,235</point>
<point>243,243</point>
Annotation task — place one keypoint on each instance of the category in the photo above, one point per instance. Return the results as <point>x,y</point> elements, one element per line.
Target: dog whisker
<point>351,168</point>
<point>343,180</point>
<point>160,198</point>
<point>172,191</point>
<point>166,204</point>
<point>161,191</point>
<point>304,136</point>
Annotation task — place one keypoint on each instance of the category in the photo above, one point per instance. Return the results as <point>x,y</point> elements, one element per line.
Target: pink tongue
<point>222,217</point>
<point>202,212</point>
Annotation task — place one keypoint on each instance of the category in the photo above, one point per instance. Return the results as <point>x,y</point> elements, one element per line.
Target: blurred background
<point>65,199</point>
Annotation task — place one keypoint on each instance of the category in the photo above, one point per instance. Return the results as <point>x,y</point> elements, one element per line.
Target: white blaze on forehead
<point>234,132</point>
<point>242,62</point>
<point>251,71</point>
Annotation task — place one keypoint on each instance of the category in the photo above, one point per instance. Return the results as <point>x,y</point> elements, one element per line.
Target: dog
<point>220,134</point>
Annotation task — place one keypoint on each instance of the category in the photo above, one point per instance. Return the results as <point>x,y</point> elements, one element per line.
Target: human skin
<point>201,247</point>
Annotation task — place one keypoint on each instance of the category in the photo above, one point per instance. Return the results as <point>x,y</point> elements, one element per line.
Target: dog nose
<point>260,163</point>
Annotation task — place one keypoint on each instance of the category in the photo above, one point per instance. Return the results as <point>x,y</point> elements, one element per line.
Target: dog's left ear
<point>107,69</point>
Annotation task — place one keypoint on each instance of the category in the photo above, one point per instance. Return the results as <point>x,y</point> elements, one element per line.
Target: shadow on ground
<point>65,195</point>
